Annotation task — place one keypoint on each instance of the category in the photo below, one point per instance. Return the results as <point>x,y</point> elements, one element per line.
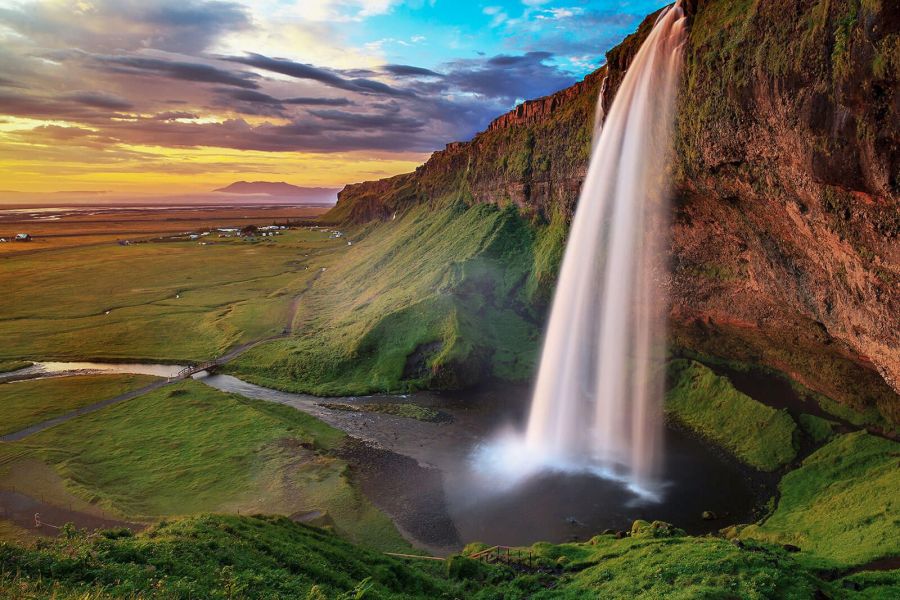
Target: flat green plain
<point>169,302</point>
<point>25,403</point>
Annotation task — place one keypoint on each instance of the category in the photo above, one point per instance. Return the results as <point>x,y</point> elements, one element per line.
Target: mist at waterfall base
<point>597,402</point>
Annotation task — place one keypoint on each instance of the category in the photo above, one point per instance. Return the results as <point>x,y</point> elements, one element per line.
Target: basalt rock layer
<point>786,237</point>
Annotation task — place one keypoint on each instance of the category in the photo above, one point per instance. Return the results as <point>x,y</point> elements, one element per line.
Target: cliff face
<point>786,239</point>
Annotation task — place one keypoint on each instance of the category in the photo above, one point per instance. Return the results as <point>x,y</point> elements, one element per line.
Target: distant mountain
<point>280,189</point>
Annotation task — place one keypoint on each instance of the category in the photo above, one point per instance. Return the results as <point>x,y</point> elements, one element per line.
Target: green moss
<point>841,506</point>
<point>818,429</point>
<point>214,557</point>
<point>709,405</point>
<point>676,567</point>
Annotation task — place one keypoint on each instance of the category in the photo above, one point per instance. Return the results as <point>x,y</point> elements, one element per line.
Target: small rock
<point>620,535</point>
<point>709,515</point>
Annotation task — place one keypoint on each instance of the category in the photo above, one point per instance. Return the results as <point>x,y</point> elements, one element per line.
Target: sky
<point>172,96</point>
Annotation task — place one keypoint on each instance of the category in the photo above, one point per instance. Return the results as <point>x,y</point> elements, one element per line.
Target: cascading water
<point>597,400</point>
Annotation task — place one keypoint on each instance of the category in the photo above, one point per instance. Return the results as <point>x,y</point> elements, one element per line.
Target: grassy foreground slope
<point>211,557</point>
<point>438,297</point>
<point>841,506</point>
<point>188,448</point>
<point>25,403</point>
<point>273,557</point>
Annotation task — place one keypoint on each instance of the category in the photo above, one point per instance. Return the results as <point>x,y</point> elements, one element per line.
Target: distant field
<point>167,301</point>
<point>84,228</point>
<point>25,403</point>
<point>188,448</point>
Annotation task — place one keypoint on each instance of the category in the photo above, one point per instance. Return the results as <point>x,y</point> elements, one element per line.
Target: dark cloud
<point>99,100</point>
<point>304,101</point>
<point>409,71</point>
<point>186,71</point>
<point>311,72</point>
<point>378,121</point>
<point>506,77</point>
<point>171,115</point>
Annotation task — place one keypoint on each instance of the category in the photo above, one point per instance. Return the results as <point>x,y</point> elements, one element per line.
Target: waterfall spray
<point>598,396</point>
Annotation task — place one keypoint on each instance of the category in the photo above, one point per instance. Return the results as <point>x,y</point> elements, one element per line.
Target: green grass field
<point>175,301</point>
<point>710,406</point>
<point>25,403</point>
<point>188,448</point>
<point>841,506</point>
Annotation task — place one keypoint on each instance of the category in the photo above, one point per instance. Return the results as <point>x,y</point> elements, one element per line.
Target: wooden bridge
<point>505,554</point>
<point>193,369</point>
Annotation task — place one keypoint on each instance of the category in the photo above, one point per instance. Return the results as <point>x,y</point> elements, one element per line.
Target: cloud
<point>409,71</point>
<point>99,100</point>
<point>186,71</point>
<point>114,25</point>
<point>508,77</point>
<point>325,76</point>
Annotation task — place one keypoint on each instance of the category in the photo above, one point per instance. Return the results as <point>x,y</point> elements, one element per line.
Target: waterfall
<point>598,398</point>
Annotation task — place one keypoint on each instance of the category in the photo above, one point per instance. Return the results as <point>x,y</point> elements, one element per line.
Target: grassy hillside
<point>439,297</point>
<point>841,506</point>
<point>272,557</point>
<point>211,557</point>
<point>28,402</point>
<point>709,405</point>
<point>188,448</point>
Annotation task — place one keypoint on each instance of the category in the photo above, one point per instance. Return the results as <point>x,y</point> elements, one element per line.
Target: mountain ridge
<point>276,188</point>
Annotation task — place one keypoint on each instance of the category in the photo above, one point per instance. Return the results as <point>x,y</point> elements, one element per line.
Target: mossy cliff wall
<point>786,246</point>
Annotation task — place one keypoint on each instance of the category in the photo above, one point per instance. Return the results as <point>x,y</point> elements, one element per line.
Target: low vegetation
<point>211,557</point>
<point>407,410</point>
<point>710,406</point>
<point>188,448</point>
<point>7,366</point>
<point>273,557</point>
<point>25,403</point>
<point>841,506</point>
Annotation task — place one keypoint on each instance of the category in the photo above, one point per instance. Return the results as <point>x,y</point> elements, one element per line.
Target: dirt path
<point>39,518</point>
<point>84,410</point>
